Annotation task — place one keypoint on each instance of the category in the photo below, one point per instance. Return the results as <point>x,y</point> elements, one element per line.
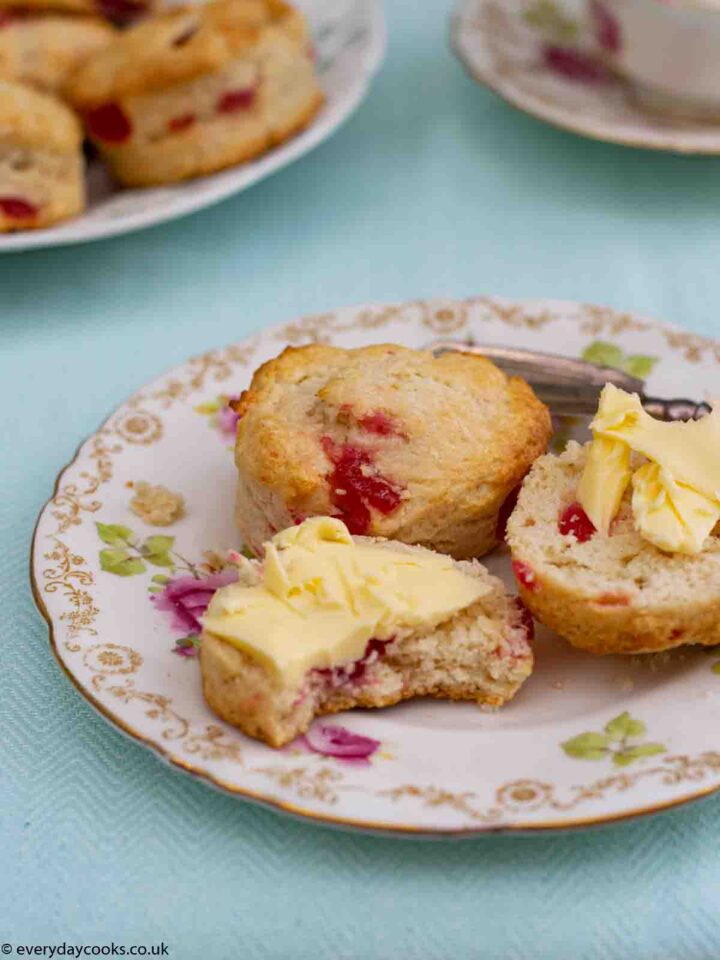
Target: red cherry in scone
<point>181,122</point>
<point>525,575</point>
<point>17,208</point>
<point>233,101</point>
<point>109,123</point>
<point>573,520</point>
<point>381,424</point>
<point>356,486</point>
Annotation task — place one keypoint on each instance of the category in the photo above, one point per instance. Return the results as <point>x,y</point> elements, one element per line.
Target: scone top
<point>179,46</point>
<point>394,441</point>
<point>36,120</point>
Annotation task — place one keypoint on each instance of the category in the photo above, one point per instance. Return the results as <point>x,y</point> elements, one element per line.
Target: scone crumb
<point>558,684</point>
<point>157,505</point>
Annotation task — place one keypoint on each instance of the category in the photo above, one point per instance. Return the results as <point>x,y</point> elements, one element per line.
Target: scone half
<point>481,653</point>
<point>606,594</point>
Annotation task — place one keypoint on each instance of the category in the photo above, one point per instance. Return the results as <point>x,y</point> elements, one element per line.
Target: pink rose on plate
<point>574,64</point>
<point>332,740</point>
<point>227,419</point>
<point>607,28</point>
<point>186,599</point>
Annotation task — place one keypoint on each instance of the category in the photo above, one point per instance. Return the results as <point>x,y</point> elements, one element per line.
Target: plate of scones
<point>120,114</point>
<point>357,570</point>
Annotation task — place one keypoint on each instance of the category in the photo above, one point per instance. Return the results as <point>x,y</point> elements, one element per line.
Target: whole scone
<point>198,89</point>
<point>41,161</point>
<point>395,442</point>
<point>44,49</point>
<point>606,594</point>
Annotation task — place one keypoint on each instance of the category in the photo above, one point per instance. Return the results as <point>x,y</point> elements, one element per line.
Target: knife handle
<point>677,409</point>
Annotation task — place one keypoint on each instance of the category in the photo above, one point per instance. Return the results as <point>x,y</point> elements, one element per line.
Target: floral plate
<point>546,58</point>
<point>349,39</point>
<point>586,741</point>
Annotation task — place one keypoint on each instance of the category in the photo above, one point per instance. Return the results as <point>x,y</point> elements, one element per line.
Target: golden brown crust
<point>32,119</point>
<point>463,435</point>
<point>179,46</point>
<point>43,50</point>
<point>601,626</point>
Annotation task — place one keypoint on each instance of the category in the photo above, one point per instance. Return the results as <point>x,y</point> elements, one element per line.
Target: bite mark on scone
<point>328,622</point>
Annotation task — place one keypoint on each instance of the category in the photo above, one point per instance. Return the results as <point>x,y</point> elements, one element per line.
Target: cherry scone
<point>41,161</point>
<point>326,622</point>
<point>395,442</point>
<point>613,592</point>
<point>197,89</point>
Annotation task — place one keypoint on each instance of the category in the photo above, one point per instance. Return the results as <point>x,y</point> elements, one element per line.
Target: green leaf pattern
<point>548,17</point>
<point>127,555</point>
<point>613,743</point>
<point>121,563</point>
<point>156,551</point>
<point>607,354</point>
<point>113,534</point>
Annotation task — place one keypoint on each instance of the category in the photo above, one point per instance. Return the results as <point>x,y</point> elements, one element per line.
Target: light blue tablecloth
<point>434,187</point>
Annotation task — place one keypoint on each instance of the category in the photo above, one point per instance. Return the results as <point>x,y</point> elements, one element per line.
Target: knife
<point>571,387</point>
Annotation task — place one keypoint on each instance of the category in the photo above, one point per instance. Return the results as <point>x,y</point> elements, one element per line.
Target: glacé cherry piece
<point>17,208</point>
<point>109,123</point>
<point>573,520</point>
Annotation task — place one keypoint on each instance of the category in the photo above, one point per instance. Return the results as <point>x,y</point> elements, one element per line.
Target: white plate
<point>504,45</point>
<point>439,767</point>
<point>349,37</point>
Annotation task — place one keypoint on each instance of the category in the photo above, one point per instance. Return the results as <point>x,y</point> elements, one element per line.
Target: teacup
<point>669,49</point>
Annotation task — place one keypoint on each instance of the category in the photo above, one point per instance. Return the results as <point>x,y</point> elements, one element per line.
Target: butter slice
<point>604,481</point>
<point>676,495</point>
<point>669,514</point>
<point>687,450</point>
<point>324,595</point>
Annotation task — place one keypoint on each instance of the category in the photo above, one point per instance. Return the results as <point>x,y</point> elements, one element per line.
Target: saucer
<point>542,57</point>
